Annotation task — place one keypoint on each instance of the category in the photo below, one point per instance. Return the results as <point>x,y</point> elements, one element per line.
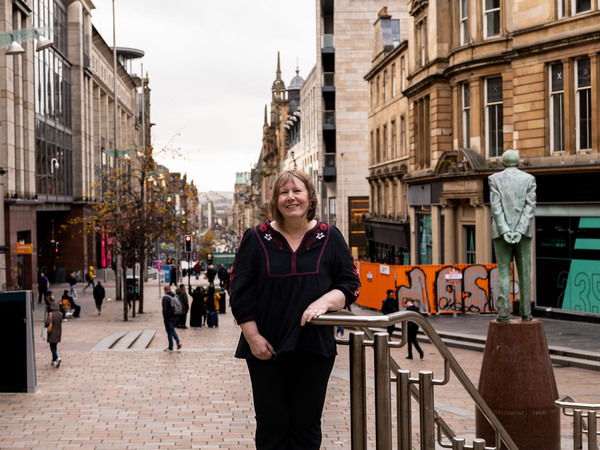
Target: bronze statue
<point>512,198</point>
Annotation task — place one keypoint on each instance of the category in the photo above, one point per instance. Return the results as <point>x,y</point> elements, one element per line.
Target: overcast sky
<point>211,65</point>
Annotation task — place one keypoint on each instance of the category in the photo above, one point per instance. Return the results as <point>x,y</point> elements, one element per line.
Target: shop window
<point>424,253</point>
<point>470,244</point>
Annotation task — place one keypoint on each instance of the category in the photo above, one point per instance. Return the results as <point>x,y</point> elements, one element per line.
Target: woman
<point>286,273</point>
<point>54,317</point>
<point>198,308</point>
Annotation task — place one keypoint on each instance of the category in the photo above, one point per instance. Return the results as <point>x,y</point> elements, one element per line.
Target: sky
<point>211,65</point>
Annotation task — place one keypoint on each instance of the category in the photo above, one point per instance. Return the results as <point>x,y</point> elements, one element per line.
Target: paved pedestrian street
<point>197,397</point>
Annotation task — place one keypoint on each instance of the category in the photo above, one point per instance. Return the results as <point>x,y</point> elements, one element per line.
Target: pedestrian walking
<point>90,277</point>
<point>53,323</point>
<point>197,269</point>
<point>73,285</point>
<point>182,318</point>
<point>286,273</point>
<point>222,274</point>
<point>198,308</point>
<point>99,294</point>
<point>43,285</point>
<point>413,329</point>
<point>212,306</point>
<point>169,318</point>
<point>211,273</point>
<point>389,306</point>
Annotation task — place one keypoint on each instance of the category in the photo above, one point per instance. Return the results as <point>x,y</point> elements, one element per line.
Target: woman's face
<point>293,199</point>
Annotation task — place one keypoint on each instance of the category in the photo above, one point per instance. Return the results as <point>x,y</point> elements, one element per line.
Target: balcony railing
<point>327,41</point>
<point>328,79</point>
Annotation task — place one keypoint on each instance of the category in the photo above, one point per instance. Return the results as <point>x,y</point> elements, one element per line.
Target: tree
<point>134,210</point>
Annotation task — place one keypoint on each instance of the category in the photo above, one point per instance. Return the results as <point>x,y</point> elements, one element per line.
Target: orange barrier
<point>457,288</point>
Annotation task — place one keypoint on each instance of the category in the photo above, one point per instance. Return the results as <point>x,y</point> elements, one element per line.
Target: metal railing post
<point>592,431</point>
<point>403,400</point>
<point>577,430</point>
<point>426,410</point>
<point>478,444</point>
<point>458,443</point>
<point>383,405</point>
<point>358,391</point>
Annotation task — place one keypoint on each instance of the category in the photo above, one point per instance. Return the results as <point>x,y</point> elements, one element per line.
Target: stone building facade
<point>482,78</point>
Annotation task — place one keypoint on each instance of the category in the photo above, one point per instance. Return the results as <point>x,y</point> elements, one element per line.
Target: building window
<point>493,117</point>
<point>385,86</point>
<point>332,211</point>
<point>579,6</point>
<point>470,244</point>
<point>402,136</point>
<point>393,80</point>
<point>583,105</point>
<point>402,74</point>
<point>491,18</point>
<point>394,143</point>
<point>464,22</point>
<point>424,249</point>
<point>422,132</point>
<point>560,9</point>
<point>372,148</point>
<point>377,147</point>
<point>372,97</point>
<point>421,42</point>
<point>377,97</point>
<point>557,108</point>
<point>385,144</point>
<point>466,115</point>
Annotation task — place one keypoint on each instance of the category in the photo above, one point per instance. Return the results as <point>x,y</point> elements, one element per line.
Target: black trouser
<point>412,339</point>
<point>289,393</point>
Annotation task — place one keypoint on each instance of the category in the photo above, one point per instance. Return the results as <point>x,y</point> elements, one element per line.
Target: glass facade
<point>568,263</point>
<point>52,75</point>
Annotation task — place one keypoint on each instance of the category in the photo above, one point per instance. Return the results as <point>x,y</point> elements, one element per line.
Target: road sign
<point>454,276</point>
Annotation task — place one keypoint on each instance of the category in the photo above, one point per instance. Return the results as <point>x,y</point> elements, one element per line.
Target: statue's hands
<point>508,237</point>
<point>516,237</point>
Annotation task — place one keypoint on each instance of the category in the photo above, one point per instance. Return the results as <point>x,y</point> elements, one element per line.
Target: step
<point>125,342</point>
<point>108,341</point>
<point>144,340</point>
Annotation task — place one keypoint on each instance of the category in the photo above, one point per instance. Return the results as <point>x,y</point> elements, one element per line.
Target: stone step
<point>123,340</point>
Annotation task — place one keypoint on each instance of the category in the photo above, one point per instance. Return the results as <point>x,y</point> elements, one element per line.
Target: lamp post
<point>11,41</point>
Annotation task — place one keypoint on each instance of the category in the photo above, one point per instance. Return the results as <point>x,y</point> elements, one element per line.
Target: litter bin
<point>16,309</point>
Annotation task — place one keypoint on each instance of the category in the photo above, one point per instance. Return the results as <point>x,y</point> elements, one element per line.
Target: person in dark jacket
<point>198,308</point>
<point>211,273</point>
<point>222,274</point>
<point>43,285</point>
<point>99,294</point>
<point>169,318</point>
<point>182,319</point>
<point>54,318</point>
<point>413,329</point>
<point>73,285</point>
<point>389,306</point>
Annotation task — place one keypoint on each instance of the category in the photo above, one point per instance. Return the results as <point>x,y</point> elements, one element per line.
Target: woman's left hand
<point>334,300</point>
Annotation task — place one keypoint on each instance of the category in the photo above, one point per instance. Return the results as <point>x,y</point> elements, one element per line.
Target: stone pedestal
<point>517,382</point>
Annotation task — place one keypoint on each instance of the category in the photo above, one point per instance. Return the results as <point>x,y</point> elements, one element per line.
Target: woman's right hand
<point>259,346</point>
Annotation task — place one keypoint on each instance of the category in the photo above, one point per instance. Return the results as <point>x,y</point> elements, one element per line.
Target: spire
<point>278,88</point>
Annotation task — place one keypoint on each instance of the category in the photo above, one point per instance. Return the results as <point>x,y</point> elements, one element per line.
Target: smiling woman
<point>286,273</point>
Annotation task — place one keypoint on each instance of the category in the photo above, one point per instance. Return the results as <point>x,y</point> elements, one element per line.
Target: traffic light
<point>56,248</point>
<point>188,243</point>
<point>209,259</point>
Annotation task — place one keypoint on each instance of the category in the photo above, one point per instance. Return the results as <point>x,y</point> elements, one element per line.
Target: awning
<point>395,234</point>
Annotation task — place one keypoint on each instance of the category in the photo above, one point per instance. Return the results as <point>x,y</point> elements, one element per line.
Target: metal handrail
<point>349,319</point>
<point>579,426</point>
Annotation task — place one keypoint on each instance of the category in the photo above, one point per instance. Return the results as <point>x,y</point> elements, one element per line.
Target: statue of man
<point>512,198</point>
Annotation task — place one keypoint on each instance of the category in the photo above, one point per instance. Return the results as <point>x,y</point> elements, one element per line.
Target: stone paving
<point>198,397</point>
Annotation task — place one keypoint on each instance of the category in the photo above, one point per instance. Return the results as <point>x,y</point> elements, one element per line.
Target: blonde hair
<point>283,178</point>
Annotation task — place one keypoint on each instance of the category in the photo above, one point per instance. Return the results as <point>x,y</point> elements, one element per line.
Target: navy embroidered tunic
<point>274,285</point>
